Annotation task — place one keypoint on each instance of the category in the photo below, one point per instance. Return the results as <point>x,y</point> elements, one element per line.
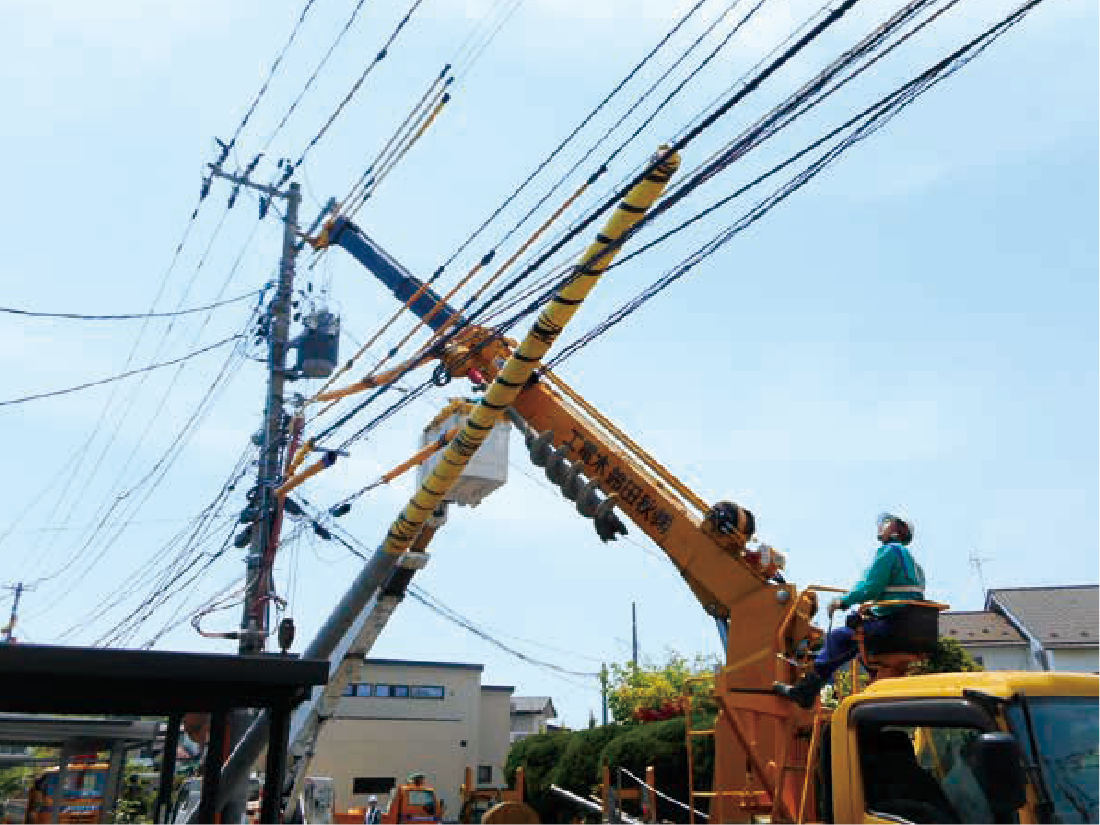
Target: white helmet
<point>892,527</point>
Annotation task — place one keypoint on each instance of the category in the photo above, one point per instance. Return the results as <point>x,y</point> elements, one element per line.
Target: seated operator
<point>892,576</point>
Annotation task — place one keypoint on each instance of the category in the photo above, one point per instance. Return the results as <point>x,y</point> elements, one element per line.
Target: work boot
<point>804,692</point>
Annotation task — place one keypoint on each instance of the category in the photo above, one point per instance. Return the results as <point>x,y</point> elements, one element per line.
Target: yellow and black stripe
<point>515,373</point>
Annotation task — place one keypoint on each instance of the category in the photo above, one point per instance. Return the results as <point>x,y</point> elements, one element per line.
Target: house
<point>1031,628</point>
<point>989,639</point>
<point>530,714</point>
<point>398,717</point>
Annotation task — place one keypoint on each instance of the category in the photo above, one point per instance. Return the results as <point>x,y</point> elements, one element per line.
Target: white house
<point>530,714</point>
<point>1031,628</point>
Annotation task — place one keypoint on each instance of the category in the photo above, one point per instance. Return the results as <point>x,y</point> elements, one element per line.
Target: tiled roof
<point>979,627</point>
<point>534,704</point>
<point>1057,616</point>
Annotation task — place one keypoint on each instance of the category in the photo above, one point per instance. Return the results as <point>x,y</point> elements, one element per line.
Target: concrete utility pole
<point>19,589</point>
<point>261,553</point>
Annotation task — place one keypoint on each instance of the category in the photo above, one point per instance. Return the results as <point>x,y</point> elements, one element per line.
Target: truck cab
<point>414,801</point>
<point>975,747</point>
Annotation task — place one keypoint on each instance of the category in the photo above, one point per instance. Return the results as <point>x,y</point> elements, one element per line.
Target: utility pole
<point>634,632</point>
<point>603,690</point>
<point>19,589</point>
<point>261,555</point>
<point>261,549</point>
<point>261,552</point>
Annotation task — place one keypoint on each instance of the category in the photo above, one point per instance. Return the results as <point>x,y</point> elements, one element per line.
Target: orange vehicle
<point>81,799</point>
<point>415,801</point>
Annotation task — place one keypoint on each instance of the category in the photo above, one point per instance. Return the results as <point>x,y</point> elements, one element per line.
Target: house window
<point>978,661</point>
<point>349,690</point>
<point>401,690</point>
<point>362,690</point>
<point>382,690</point>
<point>372,784</point>
<point>426,692</point>
<point>485,774</point>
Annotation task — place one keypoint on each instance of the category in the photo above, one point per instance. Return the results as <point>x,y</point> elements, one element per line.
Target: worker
<point>372,814</point>
<point>892,576</point>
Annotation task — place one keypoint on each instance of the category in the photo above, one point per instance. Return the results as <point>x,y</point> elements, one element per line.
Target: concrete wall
<point>493,739</point>
<point>382,737</point>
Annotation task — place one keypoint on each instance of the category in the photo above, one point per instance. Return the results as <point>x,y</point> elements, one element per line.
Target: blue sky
<point>915,329</point>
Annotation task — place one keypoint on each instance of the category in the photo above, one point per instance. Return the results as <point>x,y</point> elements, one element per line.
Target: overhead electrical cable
<point>313,77</point>
<point>638,101</point>
<point>155,474</point>
<point>436,606</point>
<point>833,15</point>
<point>123,375</point>
<point>133,316</point>
<point>866,123</point>
<point>565,142</point>
<point>594,214</point>
<point>388,164</point>
<point>70,473</point>
<point>267,81</point>
<point>417,113</point>
<point>119,414</point>
<point>290,169</point>
<point>221,380</point>
<point>157,574</point>
<point>772,123</point>
<point>423,353</point>
<point>761,131</point>
<point>477,51</point>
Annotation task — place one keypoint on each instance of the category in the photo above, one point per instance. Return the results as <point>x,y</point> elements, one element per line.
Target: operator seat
<point>915,636</point>
<point>895,783</point>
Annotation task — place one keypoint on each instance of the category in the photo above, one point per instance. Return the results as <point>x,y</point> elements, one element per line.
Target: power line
<point>290,168</point>
<point>226,148</point>
<point>451,615</point>
<point>557,150</point>
<point>312,77</point>
<point>120,376</point>
<point>830,16</point>
<point>873,118</point>
<point>130,316</point>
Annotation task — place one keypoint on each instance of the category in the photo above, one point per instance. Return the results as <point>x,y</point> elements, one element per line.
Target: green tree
<point>650,693</point>
<point>538,755</point>
<point>663,745</point>
<point>948,657</point>
<point>578,769</point>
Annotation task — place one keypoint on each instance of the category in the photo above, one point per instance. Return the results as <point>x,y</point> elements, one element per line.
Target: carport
<point>42,679</point>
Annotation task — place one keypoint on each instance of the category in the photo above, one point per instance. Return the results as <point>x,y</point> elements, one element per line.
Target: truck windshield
<point>81,783</point>
<point>1066,733</point>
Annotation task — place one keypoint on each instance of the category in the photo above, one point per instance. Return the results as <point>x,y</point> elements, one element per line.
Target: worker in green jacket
<point>893,576</point>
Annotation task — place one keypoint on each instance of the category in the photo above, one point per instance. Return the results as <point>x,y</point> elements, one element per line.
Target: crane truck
<point>999,746</point>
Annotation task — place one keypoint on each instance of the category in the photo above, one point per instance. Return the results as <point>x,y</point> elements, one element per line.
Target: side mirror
<point>997,764</point>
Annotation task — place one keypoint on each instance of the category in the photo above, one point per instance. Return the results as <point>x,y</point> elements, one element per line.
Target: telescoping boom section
<point>600,468</point>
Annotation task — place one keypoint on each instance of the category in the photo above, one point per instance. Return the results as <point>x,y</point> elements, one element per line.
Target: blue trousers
<point>840,646</point>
